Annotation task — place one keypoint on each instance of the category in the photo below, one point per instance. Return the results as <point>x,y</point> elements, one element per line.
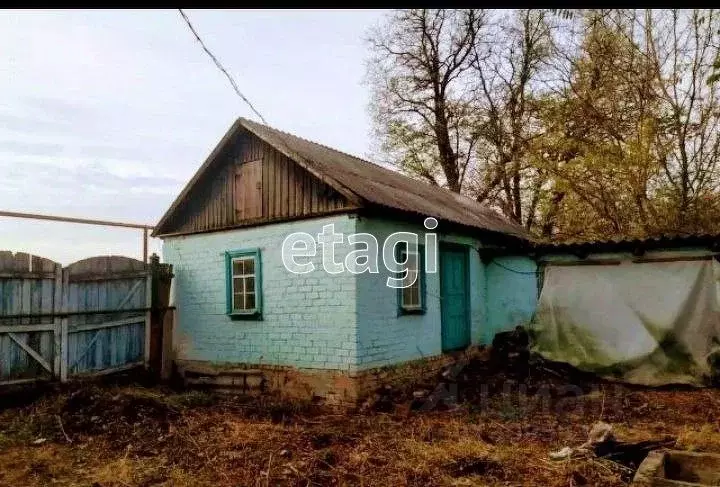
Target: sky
<point>108,114</point>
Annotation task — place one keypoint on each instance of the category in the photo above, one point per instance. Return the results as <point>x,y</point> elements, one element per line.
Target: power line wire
<point>221,67</point>
<point>536,272</point>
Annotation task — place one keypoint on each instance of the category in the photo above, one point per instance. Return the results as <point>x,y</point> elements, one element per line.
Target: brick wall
<point>316,321</point>
<point>384,338</point>
<point>309,320</point>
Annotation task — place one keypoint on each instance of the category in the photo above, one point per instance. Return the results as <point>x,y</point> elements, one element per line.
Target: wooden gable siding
<point>221,199</point>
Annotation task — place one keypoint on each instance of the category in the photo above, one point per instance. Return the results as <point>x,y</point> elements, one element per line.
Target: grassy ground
<point>130,435</point>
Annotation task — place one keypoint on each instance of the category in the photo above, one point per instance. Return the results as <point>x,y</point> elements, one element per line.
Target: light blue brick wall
<point>385,338</point>
<point>511,294</point>
<point>309,320</point>
<point>318,320</point>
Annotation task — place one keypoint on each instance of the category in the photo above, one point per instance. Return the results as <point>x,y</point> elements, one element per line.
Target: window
<point>244,287</point>
<point>412,298</point>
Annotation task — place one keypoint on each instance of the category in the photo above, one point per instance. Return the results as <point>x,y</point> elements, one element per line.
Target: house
<point>326,333</point>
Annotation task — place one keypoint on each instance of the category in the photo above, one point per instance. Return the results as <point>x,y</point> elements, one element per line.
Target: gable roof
<point>364,183</point>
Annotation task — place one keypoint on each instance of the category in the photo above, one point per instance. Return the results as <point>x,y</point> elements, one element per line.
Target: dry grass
<point>136,436</point>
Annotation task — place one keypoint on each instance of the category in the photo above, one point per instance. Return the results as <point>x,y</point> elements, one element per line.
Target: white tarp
<point>645,323</point>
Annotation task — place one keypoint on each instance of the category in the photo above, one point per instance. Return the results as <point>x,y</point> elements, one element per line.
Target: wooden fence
<point>92,317</point>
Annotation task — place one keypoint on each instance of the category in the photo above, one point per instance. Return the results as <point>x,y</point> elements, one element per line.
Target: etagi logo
<point>400,253</point>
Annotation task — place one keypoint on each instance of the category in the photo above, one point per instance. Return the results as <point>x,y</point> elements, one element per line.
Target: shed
<point>330,327</point>
<point>643,311</point>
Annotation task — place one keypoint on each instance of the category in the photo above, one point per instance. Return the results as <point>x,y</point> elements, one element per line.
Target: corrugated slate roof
<point>666,241</point>
<point>383,187</point>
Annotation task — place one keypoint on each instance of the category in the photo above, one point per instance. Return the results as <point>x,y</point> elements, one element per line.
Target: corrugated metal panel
<point>668,241</point>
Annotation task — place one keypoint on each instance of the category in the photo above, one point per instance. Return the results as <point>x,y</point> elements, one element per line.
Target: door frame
<point>465,249</point>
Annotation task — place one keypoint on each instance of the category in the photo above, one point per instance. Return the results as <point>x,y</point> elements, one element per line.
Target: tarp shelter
<point>652,319</point>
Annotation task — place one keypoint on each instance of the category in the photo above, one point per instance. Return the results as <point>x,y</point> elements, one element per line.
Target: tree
<point>419,72</point>
<point>453,100</point>
<point>509,100</point>
<point>682,46</point>
<point>578,124</point>
<point>600,133</point>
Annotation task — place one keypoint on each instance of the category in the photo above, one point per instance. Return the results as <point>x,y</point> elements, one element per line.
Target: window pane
<point>410,277</point>
<point>249,284</point>
<point>238,285</point>
<point>412,262</point>
<point>411,294</point>
<point>238,302</point>
<point>250,265</point>
<point>238,267</point>
<point>415,292</point>
<point>249,301</point>
<point>407,298</point>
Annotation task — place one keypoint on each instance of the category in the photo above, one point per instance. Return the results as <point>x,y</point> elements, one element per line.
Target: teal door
<point>455,297</point>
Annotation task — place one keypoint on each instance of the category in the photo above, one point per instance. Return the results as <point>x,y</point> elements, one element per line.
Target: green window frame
<point>243,274</point>
<point>412,300</point>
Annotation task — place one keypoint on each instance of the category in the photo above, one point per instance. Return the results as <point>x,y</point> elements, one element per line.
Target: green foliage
<point>578,124</point>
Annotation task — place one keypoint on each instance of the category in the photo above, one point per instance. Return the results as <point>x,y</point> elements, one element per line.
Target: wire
<point>220,66</point>
<point>244,98</point>
<point>536,272</point>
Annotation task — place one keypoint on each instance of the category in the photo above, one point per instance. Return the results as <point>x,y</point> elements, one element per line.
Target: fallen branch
<point>59,420</point>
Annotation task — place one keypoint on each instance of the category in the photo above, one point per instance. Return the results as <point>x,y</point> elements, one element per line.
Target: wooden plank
<point>257,189</point>
<point>103,325</point>
<point>272,184</point>
<point>314,194</point>
<point>148,318</point>
<point>81,356</point>
<point>36,356</point>
<point>65,306</point>
<point>27,328</point>
<point>30,380</point>
<point>130,294</point>
<point>57,322</point>
<point>248,184</point>
<point>583,262</point>
<point>26,295</point>
<point>290,189</point>
<point>653,260</point>
<point>167,334</point>
<point>279,176</point>
<point>284,187</point>
<point>307,194</point>
<point>112,370</point>
<point>26,275</point>
<point>5,318</point>
<point>265,187</point>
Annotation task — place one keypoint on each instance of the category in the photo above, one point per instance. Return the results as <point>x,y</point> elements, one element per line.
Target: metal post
<point>67,219</point>
<point>145,245</point>
<point>35,216</point>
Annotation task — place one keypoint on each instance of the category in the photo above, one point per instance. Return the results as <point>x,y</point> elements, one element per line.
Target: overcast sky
<point>108,114</point>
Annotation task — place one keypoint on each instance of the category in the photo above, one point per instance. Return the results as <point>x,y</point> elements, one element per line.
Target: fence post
<point>65,307</point>
<point>57,320</point>
<point>151,269</point>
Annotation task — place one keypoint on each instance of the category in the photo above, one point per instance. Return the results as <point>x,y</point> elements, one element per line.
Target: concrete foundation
<point>333,387</point>
<point>674,468</point>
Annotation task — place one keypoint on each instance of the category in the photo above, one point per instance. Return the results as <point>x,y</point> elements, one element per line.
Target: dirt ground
<point>500,433</point>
